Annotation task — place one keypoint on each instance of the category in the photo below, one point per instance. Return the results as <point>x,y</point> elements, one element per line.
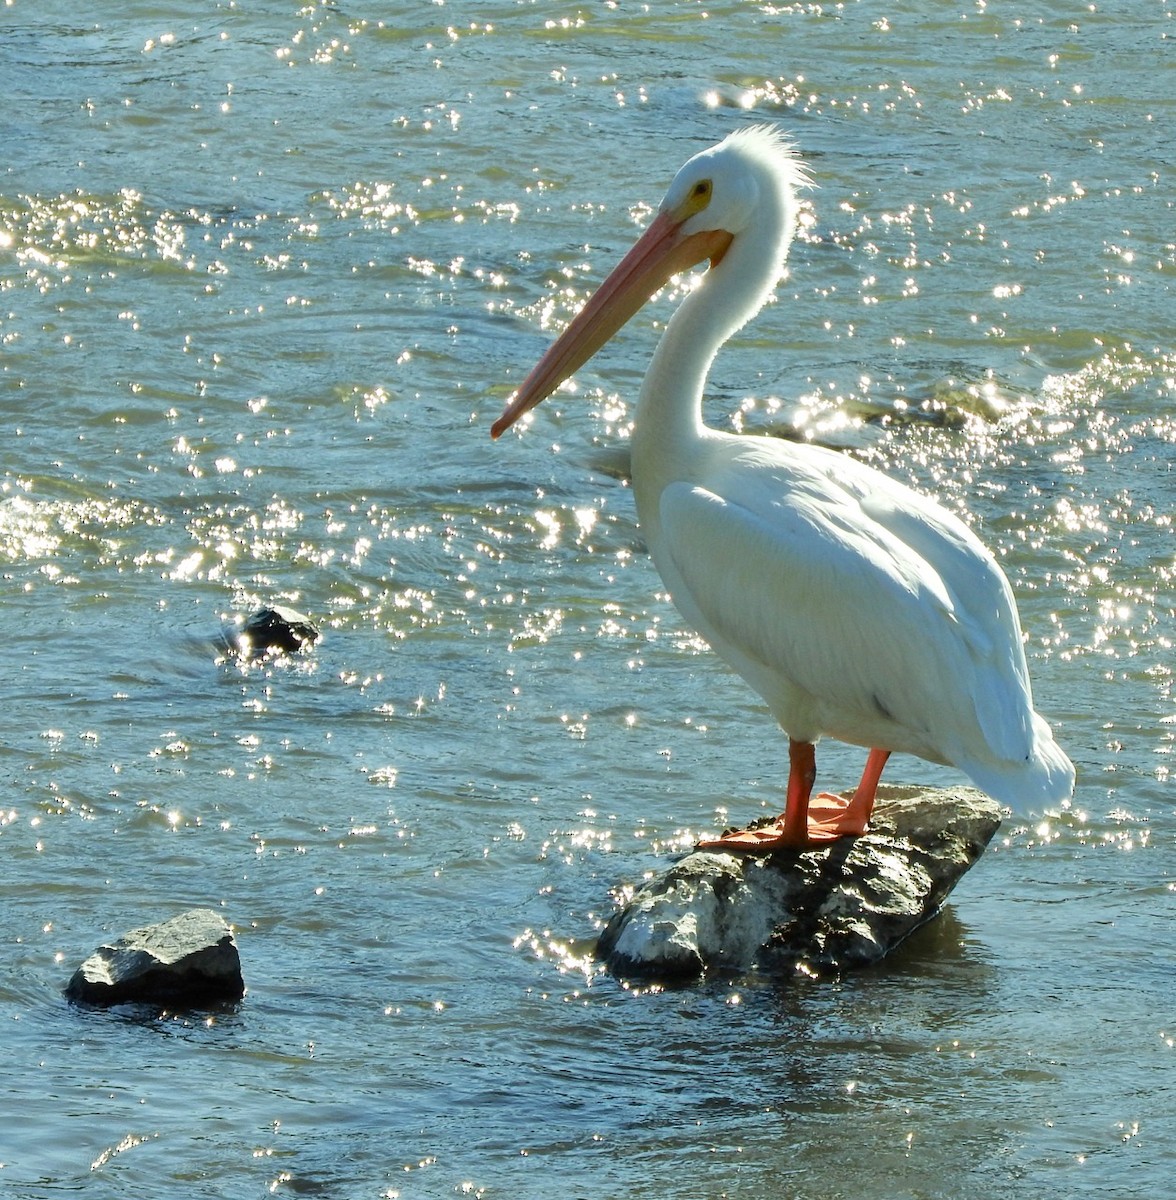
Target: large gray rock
<point>840,906</point>
<point>187,962</point>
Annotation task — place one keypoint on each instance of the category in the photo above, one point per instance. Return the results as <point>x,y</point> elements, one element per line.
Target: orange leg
<point>809,820</point>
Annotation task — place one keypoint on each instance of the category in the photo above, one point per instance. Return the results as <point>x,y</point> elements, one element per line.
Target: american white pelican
<point>855,606</point>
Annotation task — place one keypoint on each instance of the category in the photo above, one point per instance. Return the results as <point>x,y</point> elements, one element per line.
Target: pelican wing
<point>873,601</point>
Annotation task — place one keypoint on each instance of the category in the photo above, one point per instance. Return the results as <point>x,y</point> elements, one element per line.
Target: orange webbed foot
<point>833,817</point>
<point>829,819</point>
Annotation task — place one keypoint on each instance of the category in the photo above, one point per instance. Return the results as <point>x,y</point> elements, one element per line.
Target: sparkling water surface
<point>267,275</point>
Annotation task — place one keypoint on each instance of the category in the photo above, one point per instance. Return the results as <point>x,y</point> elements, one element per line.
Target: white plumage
<point>856,607</point>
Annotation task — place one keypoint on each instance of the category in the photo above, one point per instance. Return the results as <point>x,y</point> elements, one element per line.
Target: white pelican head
<point>740,193</point>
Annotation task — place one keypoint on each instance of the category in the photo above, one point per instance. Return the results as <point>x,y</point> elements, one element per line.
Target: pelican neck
<point>669,430</point>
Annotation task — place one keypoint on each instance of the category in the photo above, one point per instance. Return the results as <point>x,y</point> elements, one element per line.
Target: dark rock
<point>844,905</point>
<point>275,629</point>
<point>187,962</point>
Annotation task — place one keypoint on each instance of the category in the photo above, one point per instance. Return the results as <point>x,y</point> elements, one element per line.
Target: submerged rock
<point>187,962</point>
<point>278,629</point>
<point>841,906</point>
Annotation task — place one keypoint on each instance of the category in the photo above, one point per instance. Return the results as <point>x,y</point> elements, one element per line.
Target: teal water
<point>267,275</point>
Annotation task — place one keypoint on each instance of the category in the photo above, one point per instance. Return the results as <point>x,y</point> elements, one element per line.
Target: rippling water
<point>267,274</point>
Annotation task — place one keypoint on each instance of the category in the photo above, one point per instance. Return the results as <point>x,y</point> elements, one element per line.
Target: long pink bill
<point>660,253</point>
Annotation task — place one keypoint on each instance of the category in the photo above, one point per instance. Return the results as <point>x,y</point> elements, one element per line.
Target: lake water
<point>267,274</point>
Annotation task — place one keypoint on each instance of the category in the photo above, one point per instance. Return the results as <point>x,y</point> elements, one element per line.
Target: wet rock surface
<point>187,962</point>
<point>831,909</point>
<point>273,630</point>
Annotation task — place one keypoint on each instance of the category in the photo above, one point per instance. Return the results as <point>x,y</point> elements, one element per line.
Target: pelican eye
<point>699,197</point>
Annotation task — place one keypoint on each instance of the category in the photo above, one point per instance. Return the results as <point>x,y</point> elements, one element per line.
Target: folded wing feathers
<point>873,606</point>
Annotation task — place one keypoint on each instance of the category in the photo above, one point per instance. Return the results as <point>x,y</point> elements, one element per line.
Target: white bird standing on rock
<point>856,607</point>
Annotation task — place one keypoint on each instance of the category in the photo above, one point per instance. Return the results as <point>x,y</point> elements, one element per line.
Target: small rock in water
<point>278,629</point>
<point>186,962</point>
<point>843,905</point>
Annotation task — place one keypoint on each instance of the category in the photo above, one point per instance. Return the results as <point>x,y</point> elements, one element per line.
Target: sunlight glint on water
<point>266,278</point>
